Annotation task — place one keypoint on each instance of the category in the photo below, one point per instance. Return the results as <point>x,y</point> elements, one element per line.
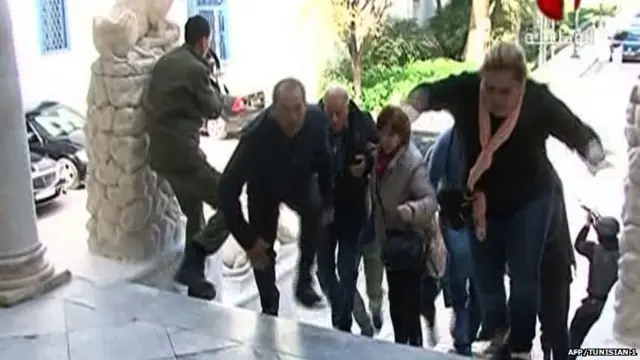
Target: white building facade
<point>259,43</point>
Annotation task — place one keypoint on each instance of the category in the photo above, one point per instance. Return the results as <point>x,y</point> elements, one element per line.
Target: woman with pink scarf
<point>503,120</point>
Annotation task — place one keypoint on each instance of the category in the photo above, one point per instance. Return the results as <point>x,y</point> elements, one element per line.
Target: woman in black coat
<point>504,120</point>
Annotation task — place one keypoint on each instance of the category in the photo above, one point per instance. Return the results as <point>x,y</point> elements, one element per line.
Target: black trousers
<point>555,293</point>
<point>584,318</point>
<point>264,212</point>
<point>405,305</point>
<point>555,283</point>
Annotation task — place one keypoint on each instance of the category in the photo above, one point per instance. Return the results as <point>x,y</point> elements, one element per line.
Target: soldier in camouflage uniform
<point>179,97</point>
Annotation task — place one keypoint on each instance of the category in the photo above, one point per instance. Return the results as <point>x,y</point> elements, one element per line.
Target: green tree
<point>355,23</point>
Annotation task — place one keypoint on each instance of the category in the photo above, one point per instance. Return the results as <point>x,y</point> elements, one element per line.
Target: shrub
<point>400,42</point>
<point>449,29</point>
<point>380,84</point>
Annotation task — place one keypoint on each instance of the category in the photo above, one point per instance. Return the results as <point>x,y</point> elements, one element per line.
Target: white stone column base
<point>26,276</point>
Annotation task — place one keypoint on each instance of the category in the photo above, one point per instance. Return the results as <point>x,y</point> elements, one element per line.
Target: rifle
<point>593,214</point>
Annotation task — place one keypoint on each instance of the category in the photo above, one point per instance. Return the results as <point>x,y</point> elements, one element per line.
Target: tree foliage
<point>355,23</point>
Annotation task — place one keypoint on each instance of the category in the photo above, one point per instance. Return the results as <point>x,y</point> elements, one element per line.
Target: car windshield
<point>60,121</point>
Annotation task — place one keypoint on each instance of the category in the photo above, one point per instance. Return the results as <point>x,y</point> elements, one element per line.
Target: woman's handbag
<point>404,248</point>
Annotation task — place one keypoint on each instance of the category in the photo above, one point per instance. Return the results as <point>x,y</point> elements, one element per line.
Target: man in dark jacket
<point>178,98</point>
<point>351,133</point>
<point>603,273</point>
<point>282,158</point>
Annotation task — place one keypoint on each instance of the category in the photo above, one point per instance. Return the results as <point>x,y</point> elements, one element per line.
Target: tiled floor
<point>131,322</point>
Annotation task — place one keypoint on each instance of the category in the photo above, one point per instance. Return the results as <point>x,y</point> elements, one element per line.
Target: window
<point>59,121</point>
<point>54,34</point>
<point>216,13</point>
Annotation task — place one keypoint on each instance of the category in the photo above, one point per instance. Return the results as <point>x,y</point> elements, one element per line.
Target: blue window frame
<point>217,14</point>
<point>53,21</point>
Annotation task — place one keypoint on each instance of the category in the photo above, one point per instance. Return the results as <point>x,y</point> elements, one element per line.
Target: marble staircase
<point>125,321</point>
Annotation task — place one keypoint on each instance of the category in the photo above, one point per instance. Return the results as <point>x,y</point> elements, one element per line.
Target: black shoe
<point>191,273</point>
<point>498,343</point>
<point>307,296</point>
<point>376,319</point>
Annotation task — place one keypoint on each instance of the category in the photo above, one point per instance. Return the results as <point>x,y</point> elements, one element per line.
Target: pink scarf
<point>489,145</point>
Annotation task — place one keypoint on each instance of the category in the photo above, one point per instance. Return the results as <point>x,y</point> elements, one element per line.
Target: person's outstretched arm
<point>425,204</point>
<point>567,127</point>
<point>439,95</point>
<point>584,247</point>
<point>233,179</point>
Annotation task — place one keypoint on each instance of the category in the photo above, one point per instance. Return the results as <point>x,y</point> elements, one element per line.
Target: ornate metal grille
<point>54,35</point>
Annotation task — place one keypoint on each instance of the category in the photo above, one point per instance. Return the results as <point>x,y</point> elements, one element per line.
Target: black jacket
<point>603,263</point>
<point>350,192</point>
<point>275,166</point>
<point>520,170</point>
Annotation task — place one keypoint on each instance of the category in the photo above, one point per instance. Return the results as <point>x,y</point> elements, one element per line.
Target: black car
<point>45,177</point>
<point>56,130</point>
<point>627,43</point>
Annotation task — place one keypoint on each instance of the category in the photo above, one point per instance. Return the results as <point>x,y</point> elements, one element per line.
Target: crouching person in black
<point>603,273</point>
<point>278,159</point>
<point>405,205</point>
<point>351,134</point>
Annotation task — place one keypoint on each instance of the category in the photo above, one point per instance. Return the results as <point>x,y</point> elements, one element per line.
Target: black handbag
<point>402,249</point>
<point>454,201</point>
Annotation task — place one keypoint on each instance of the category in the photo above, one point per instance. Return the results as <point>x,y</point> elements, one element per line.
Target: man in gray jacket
<point>179,97</point>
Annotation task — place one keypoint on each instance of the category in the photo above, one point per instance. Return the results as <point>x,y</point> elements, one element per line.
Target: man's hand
<point>259,254</point>
<point>405,212</point>
<point>357,170</point>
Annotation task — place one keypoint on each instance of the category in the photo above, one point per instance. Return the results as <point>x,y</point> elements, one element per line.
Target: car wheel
<point>69,174</point>
<point>217,129</point>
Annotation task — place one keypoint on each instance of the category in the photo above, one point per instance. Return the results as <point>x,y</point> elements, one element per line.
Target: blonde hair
<point>506,56</point>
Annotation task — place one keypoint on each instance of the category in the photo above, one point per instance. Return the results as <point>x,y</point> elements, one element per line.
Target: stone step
<point>206,330</point>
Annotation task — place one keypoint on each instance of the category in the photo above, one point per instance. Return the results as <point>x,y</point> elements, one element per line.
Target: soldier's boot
<point>191,273</point>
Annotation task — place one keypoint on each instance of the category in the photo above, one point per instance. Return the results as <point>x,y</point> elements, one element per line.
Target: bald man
<point>351,134</point>
<point>283,157</point>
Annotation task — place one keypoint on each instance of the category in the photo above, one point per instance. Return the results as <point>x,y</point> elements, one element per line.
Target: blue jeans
<point>516,241</point>
<point>464,299</point>
<point>341,289</point>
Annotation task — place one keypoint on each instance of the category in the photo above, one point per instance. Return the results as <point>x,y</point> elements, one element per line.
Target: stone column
<point>626,325</point>
<point>134,215</point>
<point>24,270</point>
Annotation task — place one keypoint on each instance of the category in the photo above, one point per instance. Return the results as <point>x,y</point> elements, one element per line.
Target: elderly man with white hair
<point>352,135</point>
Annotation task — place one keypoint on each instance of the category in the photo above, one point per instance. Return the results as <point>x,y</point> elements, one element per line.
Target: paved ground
<point>600,98</point>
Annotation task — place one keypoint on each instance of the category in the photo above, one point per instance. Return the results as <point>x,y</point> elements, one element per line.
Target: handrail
<point>587,30</point>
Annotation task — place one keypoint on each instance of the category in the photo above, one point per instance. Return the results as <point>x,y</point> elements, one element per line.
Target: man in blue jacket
<point>282,158</point>
<point>445,165</point>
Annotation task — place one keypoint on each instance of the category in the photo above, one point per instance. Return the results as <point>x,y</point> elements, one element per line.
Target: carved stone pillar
<point>627,305</point>
<point>24,270</point>
<point>134,214</point>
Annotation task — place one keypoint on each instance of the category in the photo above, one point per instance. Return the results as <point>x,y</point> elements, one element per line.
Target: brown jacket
<point>177,99</point>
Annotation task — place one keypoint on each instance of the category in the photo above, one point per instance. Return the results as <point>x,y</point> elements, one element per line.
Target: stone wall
<point>134,214</point>
<point>627,317</point>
